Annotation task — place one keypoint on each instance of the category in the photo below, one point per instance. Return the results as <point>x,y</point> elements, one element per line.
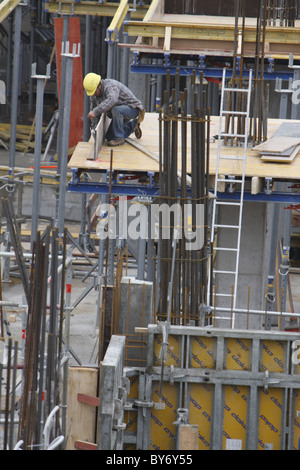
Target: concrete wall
<point>48,203</point>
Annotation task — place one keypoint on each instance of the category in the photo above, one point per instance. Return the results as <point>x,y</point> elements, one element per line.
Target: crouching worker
<point>119,103</point>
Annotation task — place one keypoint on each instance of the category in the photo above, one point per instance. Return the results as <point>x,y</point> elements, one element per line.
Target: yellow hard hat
<point>91,82</point>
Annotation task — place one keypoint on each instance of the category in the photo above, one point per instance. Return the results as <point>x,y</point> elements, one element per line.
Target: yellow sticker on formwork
<point>235,414</point>
<point>203,352</point>
<point>237,354</point>
<point>273,356</point>
<point>163,417</point>
<point>172,358</point>
<point>200,408</point>
<point>270,410</point>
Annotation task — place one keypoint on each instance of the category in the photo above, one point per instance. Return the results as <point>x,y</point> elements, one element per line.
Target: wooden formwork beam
<point>67,7</point>
<point>6,7</point>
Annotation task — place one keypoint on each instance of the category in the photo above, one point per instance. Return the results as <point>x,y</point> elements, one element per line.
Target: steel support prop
<point>67,83</point>
<point>15,89</point>
<point>37,148</point>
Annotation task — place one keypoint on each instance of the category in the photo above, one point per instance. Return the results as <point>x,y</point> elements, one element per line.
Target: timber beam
<point>6,7</point>
<point>117,21</point>
<point>279,41</point>
<point>71,7</point>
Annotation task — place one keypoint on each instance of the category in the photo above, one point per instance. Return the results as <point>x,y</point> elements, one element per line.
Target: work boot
<point>137,130</point>
<point>116,142</point>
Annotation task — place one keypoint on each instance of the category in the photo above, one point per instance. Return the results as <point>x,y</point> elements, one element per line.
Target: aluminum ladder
<point>235,229</point>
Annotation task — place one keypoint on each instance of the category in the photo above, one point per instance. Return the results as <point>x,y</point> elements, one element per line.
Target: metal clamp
<point>268,381</point>
<point>174,376</point>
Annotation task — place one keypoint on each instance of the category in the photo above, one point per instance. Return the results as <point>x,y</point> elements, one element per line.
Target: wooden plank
<point>83,445</point>
<point>277,144</point>
<point>94,8</point>
<point>117,21</point>
<point>6,7</point>
<point>87,399</point>
<point>155,10</point>
<point>168,35</point>
<point>188,437</point>
<point>281,157</point>
<point>81,419</point>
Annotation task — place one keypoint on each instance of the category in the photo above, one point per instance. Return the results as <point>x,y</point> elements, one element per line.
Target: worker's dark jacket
<point>113,93</point>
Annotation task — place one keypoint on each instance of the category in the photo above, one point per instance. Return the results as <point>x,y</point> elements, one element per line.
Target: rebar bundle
<point>40,380</point>
<point>260,92</point>
<point>281,12</point>
<point>182,266</point>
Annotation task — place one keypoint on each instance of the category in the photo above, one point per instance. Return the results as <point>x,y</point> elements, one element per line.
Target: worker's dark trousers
<point>123,121</point>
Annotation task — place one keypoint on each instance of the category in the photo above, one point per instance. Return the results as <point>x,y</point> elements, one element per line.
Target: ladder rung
<point>226,157</point>
<point>224,180</point>
<point>228,134</point>
<point>244,90</point>
<point>225,249</point>
<point>224,272</point>
<point>237,113</point>
<point>223,295</point>
<point>227,226</point>
<point>225,203</point>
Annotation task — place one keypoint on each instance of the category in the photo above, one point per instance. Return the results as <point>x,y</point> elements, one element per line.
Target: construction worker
<point>119,103</point>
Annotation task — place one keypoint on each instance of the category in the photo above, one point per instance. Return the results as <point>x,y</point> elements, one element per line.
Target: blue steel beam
<point>135,190</point>
<point>208,72</point>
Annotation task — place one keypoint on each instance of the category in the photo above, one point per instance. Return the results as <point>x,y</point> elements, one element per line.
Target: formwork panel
<point>237,354</point>
<point>162,427</point>
<point>200,409</point>
<point>203,352</point>
<point>172,356</point>
<point>235,414</point>
<point>296,424</point>
<point>273,355</point>
<point>240,388</point>
<point>130,416</point>
<point>270,419</point>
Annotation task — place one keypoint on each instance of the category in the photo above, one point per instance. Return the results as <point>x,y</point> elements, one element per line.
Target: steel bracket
<point>268,381</point>
<point>143,404</point>
<point>173,376</point>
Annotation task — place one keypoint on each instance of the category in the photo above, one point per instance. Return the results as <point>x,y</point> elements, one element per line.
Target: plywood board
<point>81,417</point>
<point>277,145</point>
<point>100,133</point>
<point>283,157</point>
<point>127,158</point>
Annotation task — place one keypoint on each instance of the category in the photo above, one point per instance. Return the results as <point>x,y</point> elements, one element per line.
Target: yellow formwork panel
<point>296,430</point>
<point>270,401</point>
<point>172,358</point>
<point>273,356</point>
<point>200,401</point>
<point>203,351</point>
<point>130,416</point>
<point>201,396</point>
<point>235,414</point>
<point>270,415</point>
<point>162,427</point>
<point>238,354</point>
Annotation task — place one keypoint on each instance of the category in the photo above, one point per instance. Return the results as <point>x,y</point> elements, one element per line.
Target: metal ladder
<point>238,182</point>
